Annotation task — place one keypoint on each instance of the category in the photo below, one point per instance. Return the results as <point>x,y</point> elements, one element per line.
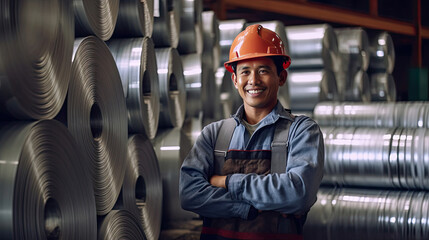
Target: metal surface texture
<point>171,147</point>
<point>196,83</point>
<point>97,118</point>
<point>171,87</point>
<point>377,114</point>
<point>383,87</point>
<point>376,157</point>
<point>228,30</point>
<point>142,188</point>
<point>191,31</point>
<point>45,184</point>
<point>136,61</point>
<point>135,19</point>
<point>278,27</point>
<point>95,17</point>
<point>382,52</point>
<point>353,43</point>
<point>358,88</point>
<point>230,100</point>
<point>162,27</point>
<point>211,46</point>
<point>312,46</point>
<point>35,54</point>
<point>309,87</point>
<point>120,224</point>
<point>342,213</point>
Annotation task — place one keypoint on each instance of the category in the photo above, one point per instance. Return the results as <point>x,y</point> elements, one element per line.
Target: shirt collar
<point>278,112</point>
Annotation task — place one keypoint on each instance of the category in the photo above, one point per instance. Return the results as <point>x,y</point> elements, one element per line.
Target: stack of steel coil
<point>313,49</point>
<point>381,66</point>
<point>381,114</point>
<point>368,214</point>
<point>354,55</point>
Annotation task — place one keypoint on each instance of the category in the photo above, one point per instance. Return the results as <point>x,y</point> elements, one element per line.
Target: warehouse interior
<point>101,101</point>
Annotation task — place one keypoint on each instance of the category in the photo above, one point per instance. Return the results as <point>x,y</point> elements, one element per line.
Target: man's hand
<point>218,181</point>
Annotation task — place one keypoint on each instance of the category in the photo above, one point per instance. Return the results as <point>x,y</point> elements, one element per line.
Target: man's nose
<point>254,78</point>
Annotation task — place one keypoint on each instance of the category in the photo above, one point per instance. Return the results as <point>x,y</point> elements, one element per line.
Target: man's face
<point>257,82</point>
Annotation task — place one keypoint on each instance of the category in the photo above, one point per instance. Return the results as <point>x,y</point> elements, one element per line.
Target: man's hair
<point>278,61</point>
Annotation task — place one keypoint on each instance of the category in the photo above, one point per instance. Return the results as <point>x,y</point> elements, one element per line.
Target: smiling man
<point>255,175</point>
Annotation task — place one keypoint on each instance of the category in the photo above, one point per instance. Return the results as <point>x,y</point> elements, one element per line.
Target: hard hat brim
<point>258,55</point>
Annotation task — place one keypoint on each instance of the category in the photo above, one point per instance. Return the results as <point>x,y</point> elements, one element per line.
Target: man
<point>255,190</point>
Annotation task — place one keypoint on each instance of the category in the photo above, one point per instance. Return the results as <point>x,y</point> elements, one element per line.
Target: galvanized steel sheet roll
<point>353,43</point>
<point>211,49</point>
<point>45,184</point>
<point>312,46</point>
<point>343,213</point>
<point>383,87</point>
<point>196,83</point>
<point>136,61</point>
<point>97,118</point>
<point>228,30</point>
<point>310,87</point>
<point>278,27</point>
<point>191,31</point>
<point>135,19</point>
<point>379,114</point>
<point>376,157</point>
<point>120,224</point>
<point>382,53</point>
<point>162,32</point>
<point>171,147</point>
<point>171,87</point>
<point>35,54</point>
<point>175,12</point>
<point>95,17</point>
<point>230,100</point>
<point>358,89</point>
<point>142,188</point>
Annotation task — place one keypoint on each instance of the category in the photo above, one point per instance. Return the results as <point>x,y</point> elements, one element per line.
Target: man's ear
<point>283,77</point>
<point>234,79</point>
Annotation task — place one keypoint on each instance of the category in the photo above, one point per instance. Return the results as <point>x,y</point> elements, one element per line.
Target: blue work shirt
<point>291,192</point>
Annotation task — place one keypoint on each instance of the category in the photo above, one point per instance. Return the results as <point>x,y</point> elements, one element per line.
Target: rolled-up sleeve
<point>295,190</point>
<point>196,192</point>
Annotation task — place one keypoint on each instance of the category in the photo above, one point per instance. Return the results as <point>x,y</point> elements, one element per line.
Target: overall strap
<point>222,143</point>
<point>279,146</point>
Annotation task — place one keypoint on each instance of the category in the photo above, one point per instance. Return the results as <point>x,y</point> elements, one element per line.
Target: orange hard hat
<point>256,41</point>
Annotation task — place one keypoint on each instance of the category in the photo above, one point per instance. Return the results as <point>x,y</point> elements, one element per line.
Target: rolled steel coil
<point>311,87</point>
<point>175,13</point>
<point>380,114</point>
<point>120,224</point>
<point>191,31</point>
<point>142,188</point>
<point>278,27</point>
<point>382,52</point>
<point>35,54</point>
<point>230,100</point>
<point>135,19</point>
<point>96,117</point>
<point>354,44</point>
<point>383,87</point>
<point>196,82</point>
<point>312,46</point>
<point>171,147</point>
<point>171,87</point>
<point>211,49</point>
<point>136,61</point>
<point>343,213</point>
<point>95,17</point>
<point>162,27</point>
<point>353,86</point>
<point>45,184</point>
<point>377,157</point>
<point>228,30</point>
